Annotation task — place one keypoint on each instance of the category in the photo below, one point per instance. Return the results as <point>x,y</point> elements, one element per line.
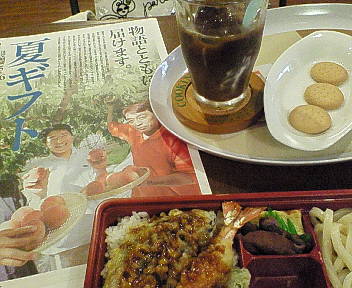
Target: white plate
<point>255,144</point>
<point>290,76</point>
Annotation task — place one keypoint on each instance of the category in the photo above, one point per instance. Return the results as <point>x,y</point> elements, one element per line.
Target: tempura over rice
<point>179,249</point>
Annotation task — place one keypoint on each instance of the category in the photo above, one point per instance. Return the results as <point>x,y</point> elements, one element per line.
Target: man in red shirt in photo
<point>152,146</point>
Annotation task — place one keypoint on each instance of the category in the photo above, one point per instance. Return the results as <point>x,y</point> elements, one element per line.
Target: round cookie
<point>324,95</point>
<point>328,72</point>
<point>309,119</point>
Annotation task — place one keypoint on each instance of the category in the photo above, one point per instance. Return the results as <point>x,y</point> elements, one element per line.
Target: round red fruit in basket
<point>118,179</point>
<point>60,214</point>
<point>55,212</point>
<point>55,216</point>
<point>94,187</point>
<point>52,201</point>
<point>37,236</point>
<point>133,172</point>
<point>25,215</point>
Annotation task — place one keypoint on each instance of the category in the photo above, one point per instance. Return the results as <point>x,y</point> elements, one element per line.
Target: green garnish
<point>306,237</point>
<point>291,227</point>
<point>288,227</point>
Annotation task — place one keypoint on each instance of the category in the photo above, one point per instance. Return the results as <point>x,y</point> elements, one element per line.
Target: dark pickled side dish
<point>220,65</point>
<point>271,238</point>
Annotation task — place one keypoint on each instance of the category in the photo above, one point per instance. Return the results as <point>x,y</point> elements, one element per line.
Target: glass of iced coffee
<point>220,41</point>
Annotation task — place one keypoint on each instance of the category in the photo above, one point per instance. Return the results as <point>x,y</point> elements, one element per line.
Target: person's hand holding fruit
<point>53,213</point>
<point>37,178</point>
<point>12,244</point>
<point>97,158</point>
<point>27,216</point>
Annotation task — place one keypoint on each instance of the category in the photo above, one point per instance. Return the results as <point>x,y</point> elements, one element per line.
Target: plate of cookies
<point>307,95</point>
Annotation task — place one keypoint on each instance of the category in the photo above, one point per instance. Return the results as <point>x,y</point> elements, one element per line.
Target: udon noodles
<point>334,232</point>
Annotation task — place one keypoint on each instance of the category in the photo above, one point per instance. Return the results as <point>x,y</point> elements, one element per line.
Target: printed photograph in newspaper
<point>76,128</point>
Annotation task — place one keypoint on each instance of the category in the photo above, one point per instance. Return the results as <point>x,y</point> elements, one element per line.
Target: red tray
<point>296,271</point>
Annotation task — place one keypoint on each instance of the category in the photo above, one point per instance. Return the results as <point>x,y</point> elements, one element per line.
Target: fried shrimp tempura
<point>211,268</point>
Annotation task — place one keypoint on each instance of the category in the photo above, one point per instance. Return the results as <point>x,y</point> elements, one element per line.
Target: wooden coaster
<point>210,110</point>
<point>191,114</point>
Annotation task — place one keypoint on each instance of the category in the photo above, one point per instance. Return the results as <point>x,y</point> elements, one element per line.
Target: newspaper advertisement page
<point>76,128</point>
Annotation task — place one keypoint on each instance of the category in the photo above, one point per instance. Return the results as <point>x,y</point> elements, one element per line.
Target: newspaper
<point>76,123</point>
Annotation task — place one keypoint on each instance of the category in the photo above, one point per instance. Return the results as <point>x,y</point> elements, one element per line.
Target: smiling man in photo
<point>167,157</point>
<point>66,169</point>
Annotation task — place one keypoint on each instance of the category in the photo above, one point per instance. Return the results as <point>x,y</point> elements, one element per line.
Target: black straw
<point>75,8</point>
<point>282,3</point>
